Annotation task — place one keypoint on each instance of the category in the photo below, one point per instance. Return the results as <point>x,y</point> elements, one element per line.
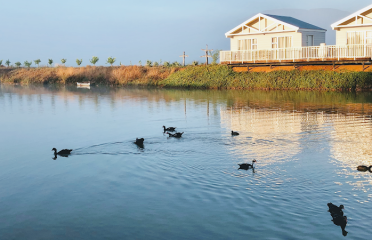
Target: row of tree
<point>28,64</point>
<point>111,61</point>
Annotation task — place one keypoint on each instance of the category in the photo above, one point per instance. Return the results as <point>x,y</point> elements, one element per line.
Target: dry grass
<point>123,75</point>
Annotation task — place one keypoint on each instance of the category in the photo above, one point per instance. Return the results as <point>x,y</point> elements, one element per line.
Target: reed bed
<point>123,75</point>
<point>204,77</point>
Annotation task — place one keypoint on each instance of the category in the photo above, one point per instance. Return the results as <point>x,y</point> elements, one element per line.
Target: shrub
<point>94,60</point>
<point>111,60</point>
<point>148,63</point>
<point>27,64</point>
<point>37,62</point>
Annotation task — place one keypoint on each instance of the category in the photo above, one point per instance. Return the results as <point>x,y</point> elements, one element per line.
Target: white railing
<point>316,53</point>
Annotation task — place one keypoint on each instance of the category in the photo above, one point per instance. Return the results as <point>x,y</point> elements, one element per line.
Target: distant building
<point>355,28</point>
<point>265,31</point>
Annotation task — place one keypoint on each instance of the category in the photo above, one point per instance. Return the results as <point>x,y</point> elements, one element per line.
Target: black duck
<point>234,133</point>
<point>246,166</point>
<point>364,168</point>
<point>63,152</point>
<point>139,141</point>
<point>170,129</point>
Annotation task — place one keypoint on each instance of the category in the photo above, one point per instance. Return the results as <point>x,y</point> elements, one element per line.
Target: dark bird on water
<point>246,166</point>
<point>364,168</point>
<point>234,133</point>
<point>63,153</point>
<point>334,209</point>
<point>175,135</point>
<point>139,142</point>
<point>170,129</point>
<point>338,217</point>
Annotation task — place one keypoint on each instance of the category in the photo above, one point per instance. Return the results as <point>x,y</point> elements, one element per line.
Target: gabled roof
<point>293,23</point>
<point>352,16</point>
<point>296,22</point>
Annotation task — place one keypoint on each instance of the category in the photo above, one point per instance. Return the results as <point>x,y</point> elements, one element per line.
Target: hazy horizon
<point>141,30</point>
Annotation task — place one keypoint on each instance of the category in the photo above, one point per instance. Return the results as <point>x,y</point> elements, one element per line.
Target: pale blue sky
<point>131,30</point>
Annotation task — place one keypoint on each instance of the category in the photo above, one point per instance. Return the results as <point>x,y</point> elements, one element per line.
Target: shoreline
<point>193,77</point>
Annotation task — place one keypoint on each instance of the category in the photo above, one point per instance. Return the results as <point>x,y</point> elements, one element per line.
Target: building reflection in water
<point>351,147</point>
<point>269,135</point>
<point>275,135</point>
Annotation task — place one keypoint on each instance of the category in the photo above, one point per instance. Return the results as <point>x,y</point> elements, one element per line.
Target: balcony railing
<point>315,53</point>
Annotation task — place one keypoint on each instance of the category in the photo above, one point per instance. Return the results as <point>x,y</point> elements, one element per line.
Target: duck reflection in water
<point>338,217</point>
<point>139,142</point>
<point>176,135</point>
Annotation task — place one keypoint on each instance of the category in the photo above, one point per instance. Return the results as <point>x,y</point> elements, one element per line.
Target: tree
<point>37,62</point>
<point>94,60</point>
<point>156,64</point>
<point>166,64</point>
<point>148,63</point>
<point>1,62</point>
<point>50,62</point>
<point>215,55</point>
<point>27,64</point>
<point>78,62</point>
<point>63,61</point>
<point>7,62</point>
<point>111,60</point>
<point>18,64</point>
<point>140,62</point>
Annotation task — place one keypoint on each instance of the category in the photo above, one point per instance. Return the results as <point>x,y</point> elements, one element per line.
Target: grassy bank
<point>116,76</point>
<point>223,77</point>
<point>213,76</point>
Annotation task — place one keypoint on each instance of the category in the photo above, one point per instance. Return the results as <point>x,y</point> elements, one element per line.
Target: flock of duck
<point>337,213</point>
<point>140,143</point>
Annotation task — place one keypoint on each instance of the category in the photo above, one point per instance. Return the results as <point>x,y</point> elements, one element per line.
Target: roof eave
<point>335,25</point>
<point>260,15</point>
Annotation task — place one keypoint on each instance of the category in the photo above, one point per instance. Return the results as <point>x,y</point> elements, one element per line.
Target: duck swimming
<point>364,168</point>
<point>176,135</point>
<point>63,152</point>
<point>338,217</point>
<point>139,142</point>
<point>234,133</point>
<point>170,129</point>
<point>334,209</point>
<point>246,166</point>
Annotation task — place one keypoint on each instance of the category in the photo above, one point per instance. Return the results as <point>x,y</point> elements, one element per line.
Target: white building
<point>265,31</point>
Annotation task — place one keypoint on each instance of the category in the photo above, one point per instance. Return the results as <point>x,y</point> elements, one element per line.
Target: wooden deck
<point>329,54</point>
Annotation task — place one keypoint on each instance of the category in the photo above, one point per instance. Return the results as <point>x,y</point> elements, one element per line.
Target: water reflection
<point>304,142</point>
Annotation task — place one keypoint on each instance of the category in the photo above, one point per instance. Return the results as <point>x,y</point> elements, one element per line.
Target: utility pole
<point>184,56</point>
<point>206,54</point>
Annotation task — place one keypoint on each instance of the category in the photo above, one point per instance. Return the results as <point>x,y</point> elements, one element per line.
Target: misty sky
<point>135,30</point>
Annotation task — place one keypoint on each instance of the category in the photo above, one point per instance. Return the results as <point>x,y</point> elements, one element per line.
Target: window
<point>355,38</point>
<point>281,42</point>
<point>369,37</point>
<point>247,44</point>
<point>361,37</point>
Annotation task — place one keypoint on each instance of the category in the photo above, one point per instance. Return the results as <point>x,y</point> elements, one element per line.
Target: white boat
<point>83,84</point>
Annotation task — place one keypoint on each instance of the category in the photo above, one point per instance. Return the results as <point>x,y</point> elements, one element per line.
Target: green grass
<point>219,76</point>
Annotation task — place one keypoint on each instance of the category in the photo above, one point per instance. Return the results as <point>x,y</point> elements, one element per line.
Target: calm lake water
<point>307,146</point>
